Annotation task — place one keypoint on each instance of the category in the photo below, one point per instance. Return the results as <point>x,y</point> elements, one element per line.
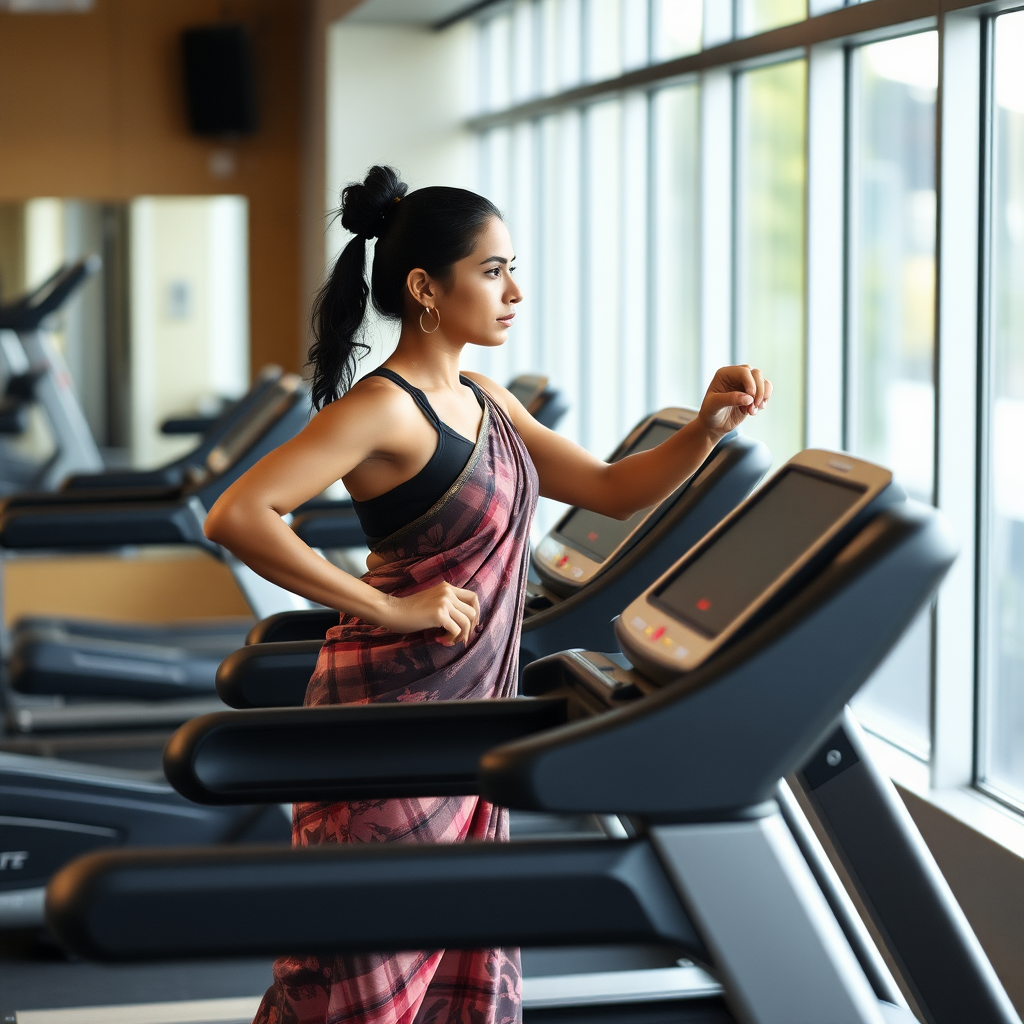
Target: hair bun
<point>365,205</point>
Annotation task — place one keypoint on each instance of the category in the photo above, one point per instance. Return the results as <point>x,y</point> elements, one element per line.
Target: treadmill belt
<point>37,976</point>
<point>704,1011</point>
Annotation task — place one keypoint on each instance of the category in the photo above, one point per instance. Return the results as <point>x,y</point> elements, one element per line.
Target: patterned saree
<point>476,537</point>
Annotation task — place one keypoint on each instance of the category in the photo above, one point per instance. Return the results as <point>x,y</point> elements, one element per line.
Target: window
<point>890,389</point>
<point>663,219</point>
<point>602,39</point>
<point>770,234</point>
<point>761,15</point>
<point>676,28</point>
<point>600,397</point>
<point>675,250</point>
<point>1002,635</point>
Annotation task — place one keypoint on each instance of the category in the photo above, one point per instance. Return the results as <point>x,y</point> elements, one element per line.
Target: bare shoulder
<point>502,397</point>
<point>373,409</point>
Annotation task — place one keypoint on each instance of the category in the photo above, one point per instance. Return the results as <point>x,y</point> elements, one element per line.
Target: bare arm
<point>572,475</point>
<point>246,519</point>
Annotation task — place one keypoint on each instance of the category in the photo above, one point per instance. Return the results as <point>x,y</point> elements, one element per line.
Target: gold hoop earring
<point>427,309</point>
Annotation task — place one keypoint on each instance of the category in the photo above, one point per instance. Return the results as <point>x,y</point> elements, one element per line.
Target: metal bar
<point>839,900</point>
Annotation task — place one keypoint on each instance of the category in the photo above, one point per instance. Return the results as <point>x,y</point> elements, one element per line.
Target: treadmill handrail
<point>285,627</point>
<point>330,528</point>
<point>173,473</point>
<point>679,761</point>
<point>366,897</point>
<point>28,312</point>
<point>269,675</point>
<point>347,752</point>
<point>102,526</point>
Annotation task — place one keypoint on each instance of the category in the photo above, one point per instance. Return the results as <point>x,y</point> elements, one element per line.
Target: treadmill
<point>737,665</point>
<point>571,606</point>
<point>194,462</point>
<point>79,675</point>
<point>729,474</point>
<point>36,375</point>
<point>546,404</point>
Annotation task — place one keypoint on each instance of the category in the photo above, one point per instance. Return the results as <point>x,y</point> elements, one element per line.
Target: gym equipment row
<point>277,672</point>
<point>735,669</point>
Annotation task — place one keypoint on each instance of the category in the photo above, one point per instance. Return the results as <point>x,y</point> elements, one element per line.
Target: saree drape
<point>476,537</point>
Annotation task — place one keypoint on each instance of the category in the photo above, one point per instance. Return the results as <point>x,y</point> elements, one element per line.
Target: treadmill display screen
<point>790,515</point>
<point>596,535</point>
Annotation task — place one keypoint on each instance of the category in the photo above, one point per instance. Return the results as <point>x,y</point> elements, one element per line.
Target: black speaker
<point>220,80</point>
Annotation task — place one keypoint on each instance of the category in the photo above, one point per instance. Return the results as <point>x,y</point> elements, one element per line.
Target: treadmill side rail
<point>290,626</point>
<point>347,752</point>
<point>375,897</point>
<point>746,885</point>
<point>901,886</point>
<point>330,528</point>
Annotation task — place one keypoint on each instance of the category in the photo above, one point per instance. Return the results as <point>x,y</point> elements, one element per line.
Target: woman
<point>444,470</point>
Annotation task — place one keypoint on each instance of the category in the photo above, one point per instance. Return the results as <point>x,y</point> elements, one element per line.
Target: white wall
<point>189,313</point>
<point>380,111</point>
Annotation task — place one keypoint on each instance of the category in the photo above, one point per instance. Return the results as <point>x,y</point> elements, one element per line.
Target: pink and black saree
<point>475,537</point>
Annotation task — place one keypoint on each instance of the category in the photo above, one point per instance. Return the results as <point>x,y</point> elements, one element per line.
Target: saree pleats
<point>476,537</point>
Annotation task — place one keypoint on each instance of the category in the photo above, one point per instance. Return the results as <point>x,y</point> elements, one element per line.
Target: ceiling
<point>407,12</point>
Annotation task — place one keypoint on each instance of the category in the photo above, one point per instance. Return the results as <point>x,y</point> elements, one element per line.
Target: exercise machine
<point>546,404</point>
<point>35,374</point>
<point>728,475</point>
<point>69,663</point>
<point>737,665</point>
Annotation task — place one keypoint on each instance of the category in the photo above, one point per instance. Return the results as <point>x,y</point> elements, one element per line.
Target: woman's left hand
<point>735,393</point>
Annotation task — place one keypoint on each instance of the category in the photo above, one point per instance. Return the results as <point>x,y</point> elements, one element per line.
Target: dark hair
<point>432,228</point>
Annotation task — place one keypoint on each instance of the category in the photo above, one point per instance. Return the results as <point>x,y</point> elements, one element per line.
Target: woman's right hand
<point>444,607</point>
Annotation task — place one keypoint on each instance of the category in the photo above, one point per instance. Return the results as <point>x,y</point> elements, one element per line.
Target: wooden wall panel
<point>91,106</point>
<point>162,585</point>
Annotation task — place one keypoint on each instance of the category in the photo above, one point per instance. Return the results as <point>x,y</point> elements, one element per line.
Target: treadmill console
<point>582,542</point>
<point>272,404</point>
<point>749,562</point>
<point>529,389</point>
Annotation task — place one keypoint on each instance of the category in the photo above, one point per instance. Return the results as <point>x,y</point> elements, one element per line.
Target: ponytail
<point>338,312</point>
<point>431,228</point>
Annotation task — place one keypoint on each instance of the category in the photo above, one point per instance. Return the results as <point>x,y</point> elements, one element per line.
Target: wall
<point>378,113</point>
<point>91,107</point>
<point>154,585</point>
<point>988,882</point>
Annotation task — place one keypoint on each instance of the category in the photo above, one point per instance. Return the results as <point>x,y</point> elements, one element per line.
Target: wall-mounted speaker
<point>220,80</point>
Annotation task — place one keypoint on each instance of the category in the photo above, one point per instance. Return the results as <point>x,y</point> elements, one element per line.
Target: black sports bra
<point>383,515</point>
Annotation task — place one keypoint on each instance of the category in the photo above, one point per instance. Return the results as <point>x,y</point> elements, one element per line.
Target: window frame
<point>825,38</point>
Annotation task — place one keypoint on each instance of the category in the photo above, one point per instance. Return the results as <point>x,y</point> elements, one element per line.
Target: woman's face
<point>478,306</point>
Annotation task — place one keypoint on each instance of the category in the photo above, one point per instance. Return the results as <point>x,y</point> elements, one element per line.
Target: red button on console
<point>658,633</point>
